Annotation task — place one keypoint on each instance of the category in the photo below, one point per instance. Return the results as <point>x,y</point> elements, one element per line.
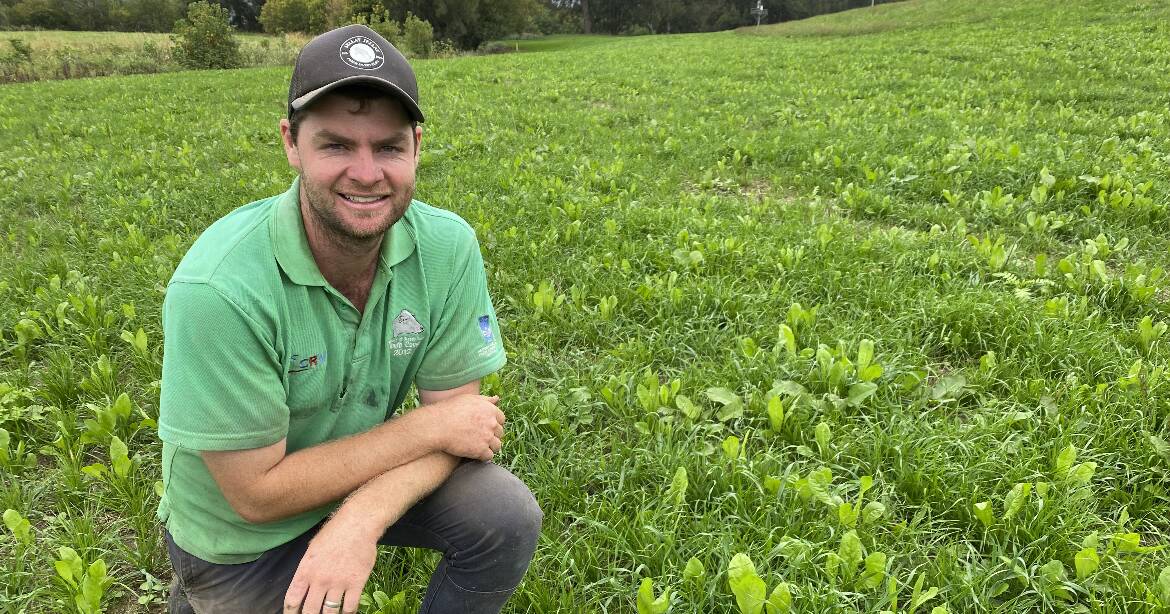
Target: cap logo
<point>361,52</point>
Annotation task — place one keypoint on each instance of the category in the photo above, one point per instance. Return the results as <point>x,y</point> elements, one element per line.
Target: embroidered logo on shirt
<point>406,334</point>
<point>298,363</point>
<point>485,327</point>
<point>406,324</point>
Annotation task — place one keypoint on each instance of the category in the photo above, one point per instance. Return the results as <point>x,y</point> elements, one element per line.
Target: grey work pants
<point>483,519</point>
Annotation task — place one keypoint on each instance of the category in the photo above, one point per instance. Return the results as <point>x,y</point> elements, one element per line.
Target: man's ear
<point>290,147</point>
<point>417,142</point>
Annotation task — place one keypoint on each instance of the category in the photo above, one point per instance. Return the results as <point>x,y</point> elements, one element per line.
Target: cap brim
<point>407,103</point>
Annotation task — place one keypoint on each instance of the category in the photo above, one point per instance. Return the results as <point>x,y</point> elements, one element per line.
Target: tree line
<point>466,23</point>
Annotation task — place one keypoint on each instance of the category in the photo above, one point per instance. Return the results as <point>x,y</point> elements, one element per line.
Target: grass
<point>984,200</point>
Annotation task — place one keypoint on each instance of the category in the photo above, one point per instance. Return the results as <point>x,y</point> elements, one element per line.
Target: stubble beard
<point>323,209</point>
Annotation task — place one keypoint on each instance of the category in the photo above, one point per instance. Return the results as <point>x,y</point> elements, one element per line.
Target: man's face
<point>357,168</point>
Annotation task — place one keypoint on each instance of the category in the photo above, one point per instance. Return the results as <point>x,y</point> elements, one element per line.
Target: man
<point>293,328</point>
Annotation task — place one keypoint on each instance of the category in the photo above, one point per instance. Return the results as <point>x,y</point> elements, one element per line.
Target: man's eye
<point>334,146</point>
<point>391,148</point>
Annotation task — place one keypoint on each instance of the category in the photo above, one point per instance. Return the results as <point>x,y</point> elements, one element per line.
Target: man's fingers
<point>493,400</point>
<point>500,417</point>
<point>499,431</point>
<point>295,594</point>
<point>352,596</point>
<point>332,603</point>
<point>495,444</point>
<point>313,601</point>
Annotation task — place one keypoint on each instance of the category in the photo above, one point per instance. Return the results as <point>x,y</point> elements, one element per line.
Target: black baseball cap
<point>348,55</point>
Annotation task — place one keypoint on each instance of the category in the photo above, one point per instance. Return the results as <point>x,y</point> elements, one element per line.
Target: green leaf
<point>4,439</point>
<point>874,573</point>
<point>678,486</point>
<point>647,604</point>
<point>1082,474</point>
<point>864,354</point>
<point>119,457</point>
<point>780,601</point>
<point>1161,448</point>
<point>1064,461</point>
<point>984,513</point>
<point>850,552</point>
<point>68,565</point>
<point>1086,562</point>
<point>864,484</point>
<point>1125,542</point>
<point>723,396</point>
<point>870,373</point>
<point>20,527</point>
<point>122,407</point>
<point>816,486</point>
<point>1164,585</point>
<point>775,413</point>
<point>97,471</point>
<point>919,597</point>
<point>746,585</point>
<point>732,404</point>
<point>788,339</point>
<point>1052,571</point>
<point>846,515</point>
<point>859,392</point>
<point>823,435</point>
<point>1014,501</point>
<point>688,408</point>
<point>731,447</point>
<point>694,570</point>
<point>872,512</point>
<point>89,598</point>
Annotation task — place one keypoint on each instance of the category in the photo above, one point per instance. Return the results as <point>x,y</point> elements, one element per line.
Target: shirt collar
<point>291,244</point>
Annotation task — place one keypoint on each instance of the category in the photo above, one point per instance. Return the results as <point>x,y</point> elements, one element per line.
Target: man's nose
<point>364,169</point>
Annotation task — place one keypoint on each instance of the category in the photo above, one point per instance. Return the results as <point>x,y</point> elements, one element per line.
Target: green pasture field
<point>881,310</point>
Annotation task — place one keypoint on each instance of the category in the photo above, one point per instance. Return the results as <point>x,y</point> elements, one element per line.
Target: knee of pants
<point>507,519</point>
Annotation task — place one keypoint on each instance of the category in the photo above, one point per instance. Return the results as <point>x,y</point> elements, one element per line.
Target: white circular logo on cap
<point>361,52</point>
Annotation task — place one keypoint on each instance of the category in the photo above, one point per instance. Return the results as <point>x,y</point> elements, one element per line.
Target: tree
<point>205,38</point>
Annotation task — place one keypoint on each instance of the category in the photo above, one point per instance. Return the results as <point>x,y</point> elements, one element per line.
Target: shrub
<point>280,16</point>
<point>205,38</point>
<point>21,50</point>
<point>380,22</point>
<point>418,36</point>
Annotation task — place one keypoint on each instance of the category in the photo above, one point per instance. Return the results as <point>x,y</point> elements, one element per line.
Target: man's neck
<point>348,264</point>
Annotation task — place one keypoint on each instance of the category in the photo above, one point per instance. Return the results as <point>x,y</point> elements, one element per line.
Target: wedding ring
<point>332,605</point>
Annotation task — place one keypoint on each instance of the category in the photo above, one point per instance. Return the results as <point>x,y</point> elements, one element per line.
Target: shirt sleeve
<point>466,345</point>
<point>221,376</point>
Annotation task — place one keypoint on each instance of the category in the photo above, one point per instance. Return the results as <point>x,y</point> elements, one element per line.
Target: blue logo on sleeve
<point>485,327</point>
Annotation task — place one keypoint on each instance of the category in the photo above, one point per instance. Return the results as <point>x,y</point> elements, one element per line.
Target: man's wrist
<point>367,520</point>
<point>430,427</point>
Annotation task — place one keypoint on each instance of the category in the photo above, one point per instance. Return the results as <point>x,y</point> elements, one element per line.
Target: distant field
<point>59,54</point>
<point>50,39</point>
<point>563,42</point>
<point>878,302</point>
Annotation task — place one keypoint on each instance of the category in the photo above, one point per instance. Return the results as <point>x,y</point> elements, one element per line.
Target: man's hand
<point>333,571</point>
<point>469,426</point>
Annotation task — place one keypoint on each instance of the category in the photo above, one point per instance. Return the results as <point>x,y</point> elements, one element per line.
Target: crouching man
<point>293,329</point>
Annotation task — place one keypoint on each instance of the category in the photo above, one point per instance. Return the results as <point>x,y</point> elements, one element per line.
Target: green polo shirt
<point>259,347</point>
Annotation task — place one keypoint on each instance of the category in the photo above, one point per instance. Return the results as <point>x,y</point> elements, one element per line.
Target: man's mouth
<point>363,199</point>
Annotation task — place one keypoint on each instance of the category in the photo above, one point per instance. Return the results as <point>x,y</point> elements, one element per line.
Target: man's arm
<point>341,556</point>
<point>266,484</point>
